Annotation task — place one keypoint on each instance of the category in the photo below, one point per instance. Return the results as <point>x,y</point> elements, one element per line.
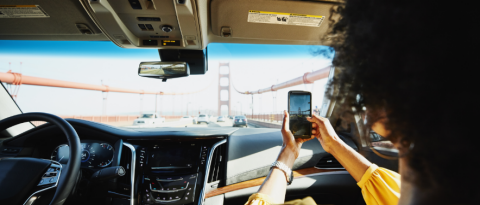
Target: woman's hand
<point>291,145</point>
<point>353,162</point>
<point>324,132</point>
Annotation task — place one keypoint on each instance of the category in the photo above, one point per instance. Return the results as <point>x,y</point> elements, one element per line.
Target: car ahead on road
<point>149,119</point>
<point>221,119</point>
<point>240,121</point>
<point>203,118</point>
<point>187,119</point>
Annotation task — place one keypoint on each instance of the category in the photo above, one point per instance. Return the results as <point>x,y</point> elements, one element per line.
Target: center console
<point>171,173</point>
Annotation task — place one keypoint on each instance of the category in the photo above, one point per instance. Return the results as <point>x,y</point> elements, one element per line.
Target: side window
<point>374,137</point>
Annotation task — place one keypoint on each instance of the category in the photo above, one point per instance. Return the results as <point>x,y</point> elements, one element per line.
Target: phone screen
<point>299,108</point>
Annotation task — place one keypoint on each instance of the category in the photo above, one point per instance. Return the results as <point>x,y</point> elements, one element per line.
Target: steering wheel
<point>21,178</point>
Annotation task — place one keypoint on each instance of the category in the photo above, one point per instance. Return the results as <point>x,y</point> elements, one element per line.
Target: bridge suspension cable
<point>307,78</point>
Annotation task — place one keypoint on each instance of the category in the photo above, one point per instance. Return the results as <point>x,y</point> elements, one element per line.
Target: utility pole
<point>252,106</point>
<point>104,96</point>
<point>161,114</point>
<point>141,104</point>
<point>155,103</point>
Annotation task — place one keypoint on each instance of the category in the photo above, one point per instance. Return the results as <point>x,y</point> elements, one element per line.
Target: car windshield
<point>147,116</point>
<point>98,81</point>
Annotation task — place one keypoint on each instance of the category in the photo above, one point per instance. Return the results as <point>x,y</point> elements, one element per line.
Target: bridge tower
<point>224,78</point>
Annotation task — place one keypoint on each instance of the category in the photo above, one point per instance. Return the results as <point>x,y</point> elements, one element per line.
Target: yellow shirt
<point>379,186</point>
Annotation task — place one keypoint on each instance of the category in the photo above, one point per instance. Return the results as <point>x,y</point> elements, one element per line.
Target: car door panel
<point>326,188</point>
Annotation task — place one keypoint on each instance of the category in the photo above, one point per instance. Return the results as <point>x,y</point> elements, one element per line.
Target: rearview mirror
<point>163,70</point>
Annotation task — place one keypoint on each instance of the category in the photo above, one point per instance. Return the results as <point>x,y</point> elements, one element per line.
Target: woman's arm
<point>350,159</point>
<point>275,185</point>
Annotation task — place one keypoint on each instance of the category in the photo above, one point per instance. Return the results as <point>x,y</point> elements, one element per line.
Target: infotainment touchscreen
<point>173,156</point>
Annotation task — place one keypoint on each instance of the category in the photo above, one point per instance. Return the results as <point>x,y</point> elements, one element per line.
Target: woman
<point>401,63</point>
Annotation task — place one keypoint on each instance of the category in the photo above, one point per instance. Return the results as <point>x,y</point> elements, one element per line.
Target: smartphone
<point>299,108</point>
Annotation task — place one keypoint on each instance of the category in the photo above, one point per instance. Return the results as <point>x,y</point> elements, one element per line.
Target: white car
<point>203,118</point>
<point>187,119</point>
<point>149,119</point>
<point>221,119</point>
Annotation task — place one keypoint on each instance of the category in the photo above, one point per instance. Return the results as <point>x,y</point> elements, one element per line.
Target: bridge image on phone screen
<point>299,110</point>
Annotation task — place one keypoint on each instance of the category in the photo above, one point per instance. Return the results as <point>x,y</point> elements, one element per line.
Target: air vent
<point>123,183</point>
<point>217,165</point>
<point>329,162</point>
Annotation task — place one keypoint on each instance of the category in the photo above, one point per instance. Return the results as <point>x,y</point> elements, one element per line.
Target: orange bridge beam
<point>18,79</point>
<point>307,78</point>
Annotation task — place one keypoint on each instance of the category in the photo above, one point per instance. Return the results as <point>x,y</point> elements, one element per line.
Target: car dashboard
<point>178,165</point>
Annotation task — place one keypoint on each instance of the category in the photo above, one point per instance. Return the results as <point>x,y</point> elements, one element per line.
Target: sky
<point>252,67</point>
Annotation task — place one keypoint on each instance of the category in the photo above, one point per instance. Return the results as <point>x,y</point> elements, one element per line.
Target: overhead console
<point>161,24</point>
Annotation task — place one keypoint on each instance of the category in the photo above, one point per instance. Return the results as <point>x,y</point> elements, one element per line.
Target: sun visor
<point>273,20</point>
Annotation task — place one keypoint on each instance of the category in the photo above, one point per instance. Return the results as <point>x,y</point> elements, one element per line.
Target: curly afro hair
<point>412,61</point>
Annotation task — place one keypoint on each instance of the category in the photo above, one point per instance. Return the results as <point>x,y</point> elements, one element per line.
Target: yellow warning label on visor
<point>284,18</point>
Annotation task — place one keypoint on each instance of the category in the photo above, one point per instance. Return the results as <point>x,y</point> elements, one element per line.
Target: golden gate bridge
<point>14,80</point>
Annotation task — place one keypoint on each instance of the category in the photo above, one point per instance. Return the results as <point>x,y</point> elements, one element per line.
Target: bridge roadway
<point>212,123</point>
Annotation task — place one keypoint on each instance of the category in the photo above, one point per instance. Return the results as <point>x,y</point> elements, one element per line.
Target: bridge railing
<point>275,118</point>
<point>110,119</point>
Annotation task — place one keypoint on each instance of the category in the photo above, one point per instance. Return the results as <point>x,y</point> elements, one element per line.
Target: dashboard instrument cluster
<point>94,154</point>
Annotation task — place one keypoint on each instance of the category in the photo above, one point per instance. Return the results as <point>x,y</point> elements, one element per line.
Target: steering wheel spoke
<point>48,181</point>
<point>51,176</point>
